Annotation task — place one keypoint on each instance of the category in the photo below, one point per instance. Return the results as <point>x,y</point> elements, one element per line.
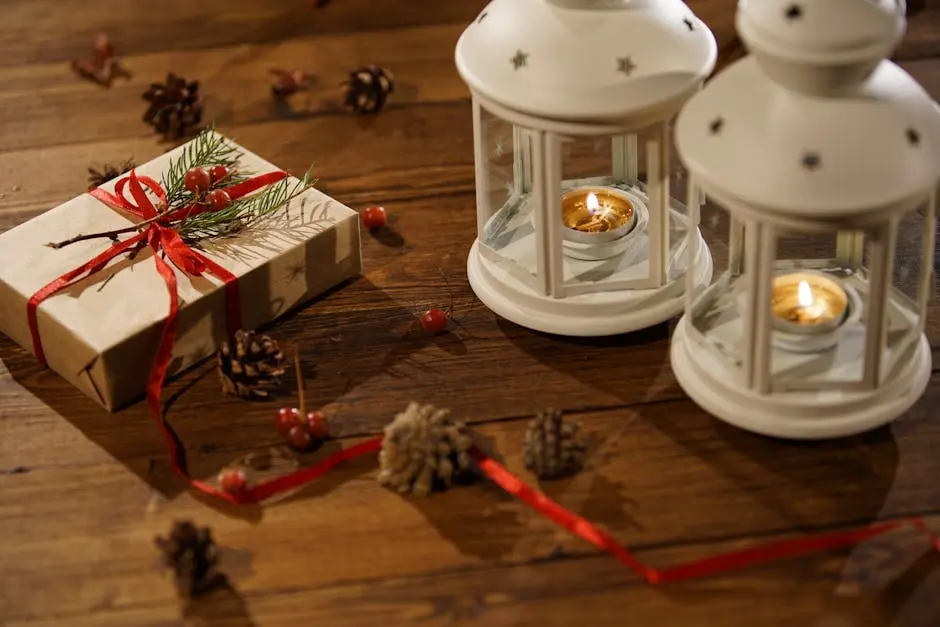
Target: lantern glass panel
<point>508,233</point>
<point>908,276</point>
<point>606,245</point>
<point>817,312</point>
<point>679,222</point>
<point>717,321</point>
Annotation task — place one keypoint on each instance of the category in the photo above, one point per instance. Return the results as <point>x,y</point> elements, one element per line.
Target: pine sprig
<point>206,150</point>
<point>244,212</point>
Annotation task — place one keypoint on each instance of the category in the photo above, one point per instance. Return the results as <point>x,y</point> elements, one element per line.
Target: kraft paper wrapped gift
<point>102,333</point>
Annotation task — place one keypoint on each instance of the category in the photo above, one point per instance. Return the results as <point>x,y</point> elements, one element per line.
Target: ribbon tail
<point>233,302</point>
<point>304,476</point>
<point>725,562</point>
<point>161,363</point>
<point>774,551</point>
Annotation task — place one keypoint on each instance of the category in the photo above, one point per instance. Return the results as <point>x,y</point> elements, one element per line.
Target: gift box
<point>104,331</point>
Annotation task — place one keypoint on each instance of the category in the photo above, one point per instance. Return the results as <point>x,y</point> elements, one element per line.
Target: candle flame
<point>593,205</point>
<point>804,295</point>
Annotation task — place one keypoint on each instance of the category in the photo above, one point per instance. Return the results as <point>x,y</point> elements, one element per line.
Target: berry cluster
<point>199,181</point>
<point>301,431</point>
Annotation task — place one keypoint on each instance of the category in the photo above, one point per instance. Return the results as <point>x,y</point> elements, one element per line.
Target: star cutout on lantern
<point>520,59</point>
<point>913,137</point>
<point>689,24</point>
<point>793,12</point>
<point>626,65</point>
<point>481,18</point>
<point>811,161</point>
<point>715,126</point>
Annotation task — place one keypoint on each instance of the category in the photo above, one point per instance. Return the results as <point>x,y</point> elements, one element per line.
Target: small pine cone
<point>423,449</point>
<point>97,178</point>
<point>368,88</point>
<point>192,556</point>
<point>250,365</point>
<point>175,106</point>
<point>552,447</point>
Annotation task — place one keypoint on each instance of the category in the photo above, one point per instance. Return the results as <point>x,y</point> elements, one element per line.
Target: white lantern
<point>569,98</point>
<point>826,158</point>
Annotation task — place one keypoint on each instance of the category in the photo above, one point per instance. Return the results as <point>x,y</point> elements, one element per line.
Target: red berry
<point>217,173</point>
<point>433,321</point>
<point>233,481</point>
<point>317,425</point>
<point>285,420</point>
<point>299,437</point>
<point>219,199</point>
<point>373,217</point>
<point>197,180</point>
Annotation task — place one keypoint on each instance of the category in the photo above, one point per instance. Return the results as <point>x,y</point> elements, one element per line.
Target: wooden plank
<point>867,588</point>
<point>405,152</point>
<point>660,475</point>
<point>61,30</point>
<point>58,108</point>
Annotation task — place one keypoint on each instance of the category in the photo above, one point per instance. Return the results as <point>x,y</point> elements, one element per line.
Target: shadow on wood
<point>473,521</point>
<point>221,606</point>
<point>859,471</point>
<point>615,366</point>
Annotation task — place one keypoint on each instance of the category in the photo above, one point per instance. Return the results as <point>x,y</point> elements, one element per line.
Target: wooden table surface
<point>84,492</point>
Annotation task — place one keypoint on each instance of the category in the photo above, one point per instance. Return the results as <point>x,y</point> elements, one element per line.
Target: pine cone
<point>250,365</point>
<point>175,106</point>
<point>552,447</point>
<point>97,178</point>
<point>368,88</point>
<point>192,556</point>
<point>423,449</point>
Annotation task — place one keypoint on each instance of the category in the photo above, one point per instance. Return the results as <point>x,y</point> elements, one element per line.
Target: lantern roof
<point>586,60</point>
<point>820,28</point>
<point>784,151</point>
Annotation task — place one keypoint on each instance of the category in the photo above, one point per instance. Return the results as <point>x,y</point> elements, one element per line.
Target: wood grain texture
<point>83,492</point>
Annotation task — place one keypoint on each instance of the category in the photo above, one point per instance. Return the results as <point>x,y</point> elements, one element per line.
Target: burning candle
<point>598,214</point>
<point>807,302</point>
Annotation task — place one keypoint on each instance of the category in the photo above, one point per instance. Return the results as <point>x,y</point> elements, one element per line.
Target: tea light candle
<point>807,302</point>
<point>596,214</point>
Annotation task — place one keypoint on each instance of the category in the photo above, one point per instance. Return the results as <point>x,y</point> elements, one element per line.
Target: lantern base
<point>803,415</point>
<point>584,315</point>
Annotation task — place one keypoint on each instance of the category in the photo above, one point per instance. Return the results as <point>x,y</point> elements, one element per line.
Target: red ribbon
<point>163,238</point>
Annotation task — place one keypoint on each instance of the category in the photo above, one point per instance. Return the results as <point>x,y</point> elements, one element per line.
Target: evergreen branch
<point>244,212</point>
<point>206,150</point>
